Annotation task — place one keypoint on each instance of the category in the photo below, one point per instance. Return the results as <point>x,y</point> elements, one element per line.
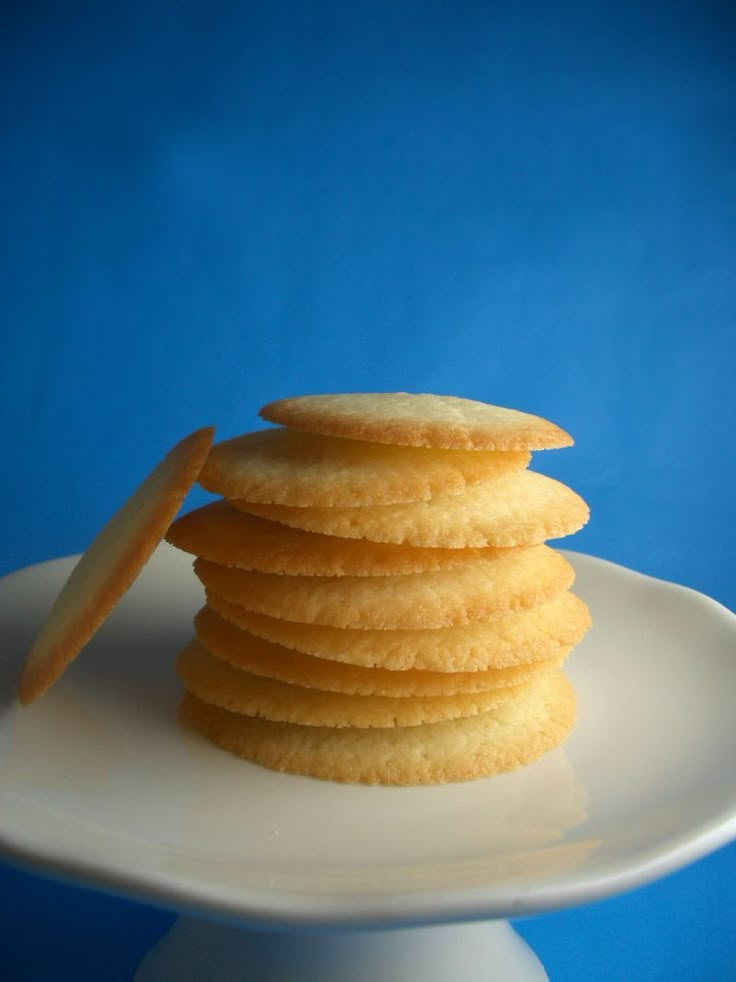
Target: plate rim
<point>279,908</point>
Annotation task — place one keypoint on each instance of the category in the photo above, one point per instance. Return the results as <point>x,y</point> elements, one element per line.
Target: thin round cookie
<point>417,420</point>
<point>252,654</point>
<point>514,579</point>
<point>519,509</point>
<point>546,632</point>
<point>215,681</point>
<point>286,467</point>
<point>230,537</point>
<point>111,564</point>
<point>502,739</point>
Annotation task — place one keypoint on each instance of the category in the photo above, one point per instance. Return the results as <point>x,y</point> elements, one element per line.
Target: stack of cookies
<point>380,603</point>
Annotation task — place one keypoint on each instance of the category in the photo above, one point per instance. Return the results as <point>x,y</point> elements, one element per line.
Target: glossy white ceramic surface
<point>195,949</point>
<point>98,782</point>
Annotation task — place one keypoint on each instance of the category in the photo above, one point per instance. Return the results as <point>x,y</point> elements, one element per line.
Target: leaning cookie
<point>111,564</point>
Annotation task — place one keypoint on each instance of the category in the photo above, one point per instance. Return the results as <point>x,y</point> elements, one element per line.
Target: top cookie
<point>414,420</point>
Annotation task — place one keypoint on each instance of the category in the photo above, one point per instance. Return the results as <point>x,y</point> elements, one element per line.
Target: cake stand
<point>279,877</point>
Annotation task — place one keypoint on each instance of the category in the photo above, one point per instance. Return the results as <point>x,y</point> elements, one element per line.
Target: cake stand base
<point>193,950</point>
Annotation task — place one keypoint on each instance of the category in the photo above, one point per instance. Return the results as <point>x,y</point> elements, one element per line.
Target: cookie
<point>546,632</point>
<point>285,467</point>
<point>519,509</point>
<point>514,579</point>
<point>408,419</point>
<point>225,535</point>
<point>214,681</point>
<point>252,654</point>
<point>111,563</point>
<point>511,735</point>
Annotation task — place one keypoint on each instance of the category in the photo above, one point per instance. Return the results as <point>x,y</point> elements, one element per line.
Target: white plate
<point>99,783</point>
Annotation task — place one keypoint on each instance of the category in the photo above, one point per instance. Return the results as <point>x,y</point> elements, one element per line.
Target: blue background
<point>207,206</point>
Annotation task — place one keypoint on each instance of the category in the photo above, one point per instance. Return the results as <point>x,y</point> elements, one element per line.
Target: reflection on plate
<point>97,780</point>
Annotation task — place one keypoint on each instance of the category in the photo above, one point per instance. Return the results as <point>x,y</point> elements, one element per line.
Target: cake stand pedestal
<point>193,950</point>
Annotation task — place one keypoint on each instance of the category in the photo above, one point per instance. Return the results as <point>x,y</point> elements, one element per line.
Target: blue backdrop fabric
<point>204,207</point>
